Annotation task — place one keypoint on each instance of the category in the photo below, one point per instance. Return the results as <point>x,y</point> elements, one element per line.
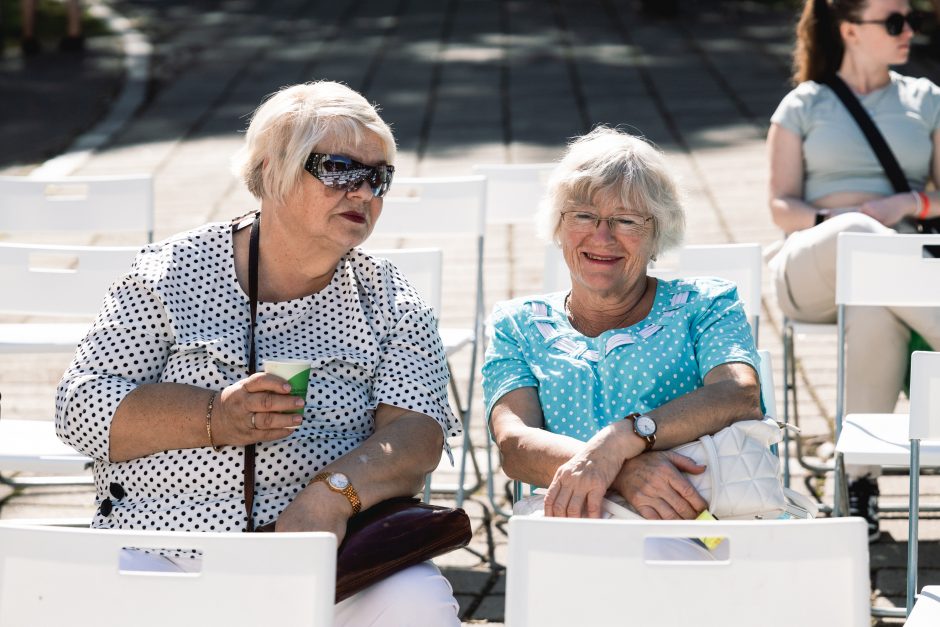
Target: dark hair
<point>819,47</point>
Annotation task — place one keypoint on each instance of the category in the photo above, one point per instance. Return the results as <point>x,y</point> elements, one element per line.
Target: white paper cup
<point>294,371</point>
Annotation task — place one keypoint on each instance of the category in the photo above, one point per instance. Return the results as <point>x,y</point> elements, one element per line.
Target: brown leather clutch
<point>391,536</point>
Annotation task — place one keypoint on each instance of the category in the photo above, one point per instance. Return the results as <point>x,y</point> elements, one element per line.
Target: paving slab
<point>461,82</point>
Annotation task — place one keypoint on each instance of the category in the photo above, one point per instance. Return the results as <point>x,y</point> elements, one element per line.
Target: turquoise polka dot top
<point>585,383</point>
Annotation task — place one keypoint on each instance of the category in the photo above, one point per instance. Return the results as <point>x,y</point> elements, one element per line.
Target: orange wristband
<point>924,206</point>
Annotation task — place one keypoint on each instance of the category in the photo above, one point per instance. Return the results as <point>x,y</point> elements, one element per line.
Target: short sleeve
<point>128,345</point>
<point>505,367</point>
<point>720,331</point>
<point>412,372</point>
<point>933,105</point>
<point>792,112</point>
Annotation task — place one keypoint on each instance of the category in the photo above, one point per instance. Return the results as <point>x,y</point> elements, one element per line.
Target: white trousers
<point>415,597</point>
<point>419,596</point>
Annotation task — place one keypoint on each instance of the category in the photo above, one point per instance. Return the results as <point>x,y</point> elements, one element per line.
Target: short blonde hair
<point>607,159</point>
<point>291,123</point>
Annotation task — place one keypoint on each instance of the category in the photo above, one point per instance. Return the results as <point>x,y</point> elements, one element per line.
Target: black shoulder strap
<point>872,134</point>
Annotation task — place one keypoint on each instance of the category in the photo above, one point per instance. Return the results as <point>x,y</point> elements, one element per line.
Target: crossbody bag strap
<point>249,456</point>
<point>875,139</point>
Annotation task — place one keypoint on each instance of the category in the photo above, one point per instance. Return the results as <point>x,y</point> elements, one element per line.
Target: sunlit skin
<point>869,53</point>
<point>609,285</point>
<point>303,237</point>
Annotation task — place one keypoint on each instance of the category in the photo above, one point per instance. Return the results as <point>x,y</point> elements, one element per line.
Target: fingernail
<point>286,387</point>
<point>298,402</point>
<point>297,420</point>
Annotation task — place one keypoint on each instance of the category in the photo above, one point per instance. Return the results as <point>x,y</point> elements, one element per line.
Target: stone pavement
<point>462,82</point>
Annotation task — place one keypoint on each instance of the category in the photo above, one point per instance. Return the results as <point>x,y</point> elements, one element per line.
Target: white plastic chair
<point>51,576</point>
<point>513,190</point>
<point>49,281</point>
<point>455,206</point>
<point>871,269</point>
<point>90,204</point>
<point>868,267</point>
<point>55,281</point>
<point>739,263</point>
<point>900,440</point>
<point>565,572</point>
<point>926,611</point>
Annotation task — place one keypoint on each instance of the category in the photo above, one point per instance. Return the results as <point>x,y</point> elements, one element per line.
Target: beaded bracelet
<point>215,448</point>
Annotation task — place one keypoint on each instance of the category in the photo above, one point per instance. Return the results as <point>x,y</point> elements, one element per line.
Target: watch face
<point>644,425</point>
<point>339,481</point>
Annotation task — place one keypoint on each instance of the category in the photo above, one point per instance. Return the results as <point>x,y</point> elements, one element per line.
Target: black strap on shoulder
<point>872,134</point>
<point>253,244</point>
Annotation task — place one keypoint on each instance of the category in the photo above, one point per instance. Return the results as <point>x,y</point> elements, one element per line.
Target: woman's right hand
<point>254,410</point>
<point>653,484</point>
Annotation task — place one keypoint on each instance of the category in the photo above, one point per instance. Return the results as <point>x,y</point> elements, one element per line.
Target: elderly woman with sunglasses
<point>586,390</point>
<point>160,392</point>
<point>825,179</point>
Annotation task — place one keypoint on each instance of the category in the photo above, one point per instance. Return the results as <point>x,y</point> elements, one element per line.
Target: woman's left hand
<point>891,209</point>
<point>579,485</point>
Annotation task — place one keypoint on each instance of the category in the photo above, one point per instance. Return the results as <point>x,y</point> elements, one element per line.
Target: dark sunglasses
<point>894,23</point>
<point>341,172</point>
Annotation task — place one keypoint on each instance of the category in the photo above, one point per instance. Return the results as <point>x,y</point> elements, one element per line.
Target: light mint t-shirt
<point>836,155</point>
<point>585,383</point>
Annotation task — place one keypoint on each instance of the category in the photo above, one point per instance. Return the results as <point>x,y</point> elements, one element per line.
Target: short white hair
<point>610,160</point>
<point>291,123</point>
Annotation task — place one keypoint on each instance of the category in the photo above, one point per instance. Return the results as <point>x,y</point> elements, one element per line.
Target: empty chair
<point>926,611</point>
<point>900,440</point>
<point>564,571</point>
<point>52,282</point>
<point>513,190</point>
<point>51,576</point>
<point>55,281</point>
<point>88,204</point>
<point>454,206</point>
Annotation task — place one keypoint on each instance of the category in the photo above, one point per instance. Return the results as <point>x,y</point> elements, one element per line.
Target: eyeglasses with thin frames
<point>618,224</point>
<point>894,23</point>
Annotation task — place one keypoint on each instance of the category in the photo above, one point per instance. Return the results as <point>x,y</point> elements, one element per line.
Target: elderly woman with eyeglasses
<point>825,179</point>
<point>586,390</point>
<point>160,392</point>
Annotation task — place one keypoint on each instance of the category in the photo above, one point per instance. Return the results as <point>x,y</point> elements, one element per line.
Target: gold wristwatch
<point>338,482</point>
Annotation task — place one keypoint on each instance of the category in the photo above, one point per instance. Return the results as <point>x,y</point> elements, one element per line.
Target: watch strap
<point>349,491</point>
<point>649,439</point>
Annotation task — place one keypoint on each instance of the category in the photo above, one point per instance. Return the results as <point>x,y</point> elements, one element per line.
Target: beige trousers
<point>877,338</point>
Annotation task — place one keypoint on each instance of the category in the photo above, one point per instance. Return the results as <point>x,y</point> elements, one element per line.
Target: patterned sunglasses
<point>342,172</point>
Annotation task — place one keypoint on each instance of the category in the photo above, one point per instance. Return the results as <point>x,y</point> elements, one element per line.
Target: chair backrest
<point>414,206</point>
<point>63,576</point>
<point>91,204</point>
<point>422,268</point>
<point>454,206</point>
<point>513,190</point>
<point>565,571</point>
<point>925,395</point>
<point>740,263</point>
<point>889,269</point>
<point>59,280</point>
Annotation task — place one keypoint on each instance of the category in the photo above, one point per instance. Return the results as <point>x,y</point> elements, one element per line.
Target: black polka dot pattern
<point>180,316</point>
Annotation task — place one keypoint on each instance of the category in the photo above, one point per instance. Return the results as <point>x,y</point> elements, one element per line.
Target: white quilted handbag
<point>743,479</point>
